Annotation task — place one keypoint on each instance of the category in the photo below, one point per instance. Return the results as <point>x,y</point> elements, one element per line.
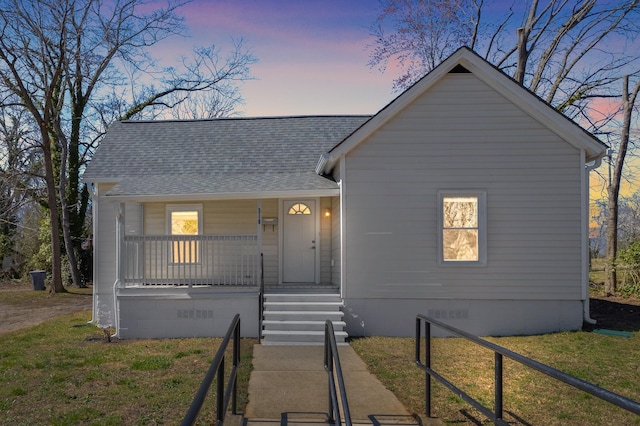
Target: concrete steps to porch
<point>299,318</point>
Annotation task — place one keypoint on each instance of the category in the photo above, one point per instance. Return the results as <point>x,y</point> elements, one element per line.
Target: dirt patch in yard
<point>615,313</point>
<point>22,307</point>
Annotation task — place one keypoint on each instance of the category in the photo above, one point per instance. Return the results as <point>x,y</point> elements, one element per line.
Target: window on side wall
<point>184,221</point>
<point>462,228</point>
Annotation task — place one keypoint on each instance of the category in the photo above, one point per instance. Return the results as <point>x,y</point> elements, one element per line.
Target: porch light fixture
<point>327,212</point>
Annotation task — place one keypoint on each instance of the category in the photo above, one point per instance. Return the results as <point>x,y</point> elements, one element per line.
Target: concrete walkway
<point>288,385</point>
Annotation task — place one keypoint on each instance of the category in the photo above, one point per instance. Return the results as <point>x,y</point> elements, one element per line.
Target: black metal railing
<point>261,299</point>
<point>216,371</point>
<point>499,353</point>
<point>334,372</point>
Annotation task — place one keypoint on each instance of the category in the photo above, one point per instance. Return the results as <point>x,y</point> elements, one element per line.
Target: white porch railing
<point>191,260</point>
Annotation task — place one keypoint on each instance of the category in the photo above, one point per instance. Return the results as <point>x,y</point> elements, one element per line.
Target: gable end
<point>466,61</point>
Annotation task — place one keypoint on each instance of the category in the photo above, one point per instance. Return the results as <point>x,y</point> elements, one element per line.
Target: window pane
<point>460,212</point>
<point>460,244</point>
<point>184,223</point>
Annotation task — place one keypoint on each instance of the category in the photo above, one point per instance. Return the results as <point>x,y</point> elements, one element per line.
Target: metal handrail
<point>334,371</point>
<point>261,299</point>
<point>216,370</point>
<point>499,353</point>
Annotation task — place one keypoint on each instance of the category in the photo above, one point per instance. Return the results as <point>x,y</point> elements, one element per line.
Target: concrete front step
<point>301,306</point>
<point>300,318</point>
<point>303,315</point>
<point>297,325</point>
<point>301,297</point>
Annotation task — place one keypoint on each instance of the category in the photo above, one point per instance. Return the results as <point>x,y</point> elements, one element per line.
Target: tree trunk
<point>56,252</point>
<point>523,51</point>
<point>72,218</point>
<point>611,285</point>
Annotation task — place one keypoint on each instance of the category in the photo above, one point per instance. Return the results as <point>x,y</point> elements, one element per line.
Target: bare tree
<point>629,219</point>
<point>65,59</point>
<point>420,34</point>
<point>206,86</point>
<point>17,175</point>
<point>629,97</point>
<point>559,50</point>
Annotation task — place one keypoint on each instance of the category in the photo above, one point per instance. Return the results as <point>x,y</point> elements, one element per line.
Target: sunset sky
<point>312,54</point>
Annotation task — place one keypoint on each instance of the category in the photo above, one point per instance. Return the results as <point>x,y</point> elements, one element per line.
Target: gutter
<point>325,163</point>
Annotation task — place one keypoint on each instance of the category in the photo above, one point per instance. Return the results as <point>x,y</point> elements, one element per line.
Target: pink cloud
<point>602,108</point>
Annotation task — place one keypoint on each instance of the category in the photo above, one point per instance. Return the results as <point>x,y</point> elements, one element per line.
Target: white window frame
<point>170,208</point>
<point>481,196</point>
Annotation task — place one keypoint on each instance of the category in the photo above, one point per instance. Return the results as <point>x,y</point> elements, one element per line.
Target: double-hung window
<point>462,227</point>
<point>184,222</point>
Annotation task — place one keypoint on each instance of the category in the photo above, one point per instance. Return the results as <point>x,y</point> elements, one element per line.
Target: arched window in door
<point>299,208</point>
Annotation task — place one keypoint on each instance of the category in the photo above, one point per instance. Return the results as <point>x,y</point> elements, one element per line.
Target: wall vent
<point>459,69</point>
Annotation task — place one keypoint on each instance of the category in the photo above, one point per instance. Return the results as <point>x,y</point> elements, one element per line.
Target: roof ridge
<point>274,117</point>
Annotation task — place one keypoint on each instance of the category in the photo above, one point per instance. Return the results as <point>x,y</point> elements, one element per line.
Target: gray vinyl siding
<point>106,241</point>
<point>133,219</point>
<point>335,240</point>
<point>270,243</point>
<point>104,274</point>
<point>463,135</point>
<point>325,241</point>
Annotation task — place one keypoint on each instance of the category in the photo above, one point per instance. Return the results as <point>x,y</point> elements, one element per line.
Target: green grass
<point>529,396</point>
<point>64,373</point>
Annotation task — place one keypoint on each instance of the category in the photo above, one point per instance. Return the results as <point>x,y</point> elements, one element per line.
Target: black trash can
<point>38,279</point>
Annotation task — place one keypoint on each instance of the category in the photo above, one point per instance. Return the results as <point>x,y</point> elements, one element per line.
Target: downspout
<point>116,307</point>
<point>585,229</point>
<point>94,247</point>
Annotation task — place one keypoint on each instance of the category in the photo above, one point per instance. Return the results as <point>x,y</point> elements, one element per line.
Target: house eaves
<point>471,62</point>
<point>222,186</point>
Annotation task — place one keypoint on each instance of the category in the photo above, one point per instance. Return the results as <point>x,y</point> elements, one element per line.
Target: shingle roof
<point>219,156</point>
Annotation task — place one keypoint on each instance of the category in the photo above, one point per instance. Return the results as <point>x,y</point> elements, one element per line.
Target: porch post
<point>120,249</point>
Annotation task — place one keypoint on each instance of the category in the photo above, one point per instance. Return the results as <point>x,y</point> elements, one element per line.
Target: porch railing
<point>191,260</point>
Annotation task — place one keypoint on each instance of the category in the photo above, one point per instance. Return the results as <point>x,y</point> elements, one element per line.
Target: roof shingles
<point>220,156</point>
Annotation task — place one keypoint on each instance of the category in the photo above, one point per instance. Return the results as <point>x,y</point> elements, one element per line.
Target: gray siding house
<point>466,199</point>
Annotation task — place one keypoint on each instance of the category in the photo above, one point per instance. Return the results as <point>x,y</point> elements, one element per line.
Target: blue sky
<point>312,53</point>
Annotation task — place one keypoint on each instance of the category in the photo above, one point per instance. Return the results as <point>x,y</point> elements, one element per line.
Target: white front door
<point>299,241</point>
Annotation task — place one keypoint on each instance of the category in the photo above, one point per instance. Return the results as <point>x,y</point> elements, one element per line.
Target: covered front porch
<point>229,243</point>
<point>174,284</point>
